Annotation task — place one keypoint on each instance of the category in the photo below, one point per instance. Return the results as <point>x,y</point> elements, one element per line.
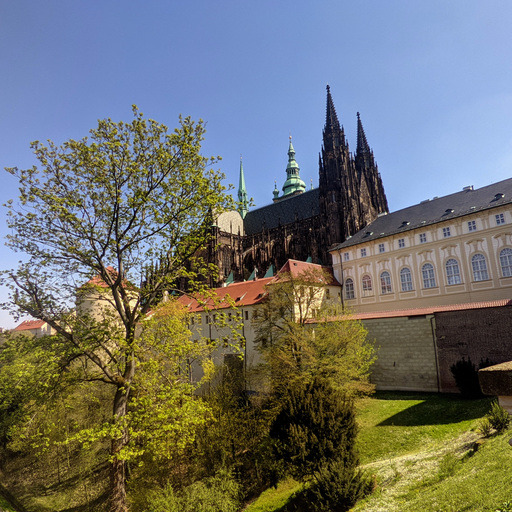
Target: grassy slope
<point>421,449</point>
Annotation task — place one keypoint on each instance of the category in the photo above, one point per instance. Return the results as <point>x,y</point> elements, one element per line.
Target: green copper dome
<point>293,184</point>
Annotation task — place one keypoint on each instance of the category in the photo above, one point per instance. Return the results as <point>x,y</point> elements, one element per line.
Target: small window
<point>367,285</point>
<point>472,225</point>
<point>385,283</point>
<point>328,292</point>
<point>382,248</point>
<point>207,319</point>
<point>446,232</point>
<point>479,266</point>
<point>349,289</point>
<point>423,238</point>
<point>346,256</point>
<point>453,272</point>
<point>506,262</point>
<point>429,279</point>
<point>406,279</point>
<point>401,243</point>
<point>363,253</point>
<point>247,315</point>
<point>500,219</point>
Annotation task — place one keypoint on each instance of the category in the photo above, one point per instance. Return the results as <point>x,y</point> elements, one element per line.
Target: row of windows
<point>452,269</point>
<point>500,219</point>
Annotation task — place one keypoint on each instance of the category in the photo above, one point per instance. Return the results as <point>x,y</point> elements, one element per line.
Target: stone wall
<point>406,358</point>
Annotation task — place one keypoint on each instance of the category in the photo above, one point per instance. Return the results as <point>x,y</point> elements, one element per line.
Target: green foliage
<point>302,334</point>
<point>100,209</point>
<point>505,507</point>
<point>337,488</point>
<point>315,426</point>
<point>498,417</point>
<point>219,493</point>
<point>484,426</point>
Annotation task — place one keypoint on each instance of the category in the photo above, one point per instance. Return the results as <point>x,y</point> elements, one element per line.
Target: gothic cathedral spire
<point>243,206</point>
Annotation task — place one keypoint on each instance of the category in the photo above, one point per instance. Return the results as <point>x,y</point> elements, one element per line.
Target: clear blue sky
<point>431,79</point>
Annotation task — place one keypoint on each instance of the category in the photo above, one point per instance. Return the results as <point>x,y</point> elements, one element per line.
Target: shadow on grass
<point>434,409</point>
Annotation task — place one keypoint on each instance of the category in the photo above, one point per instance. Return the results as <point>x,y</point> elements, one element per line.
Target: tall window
<point>349,288</point>
<point>446,232</point>
<point>472,225</point>
<point>346,256</point>
<point>479,265</point>
<point>367,285</point>
<point>429,279</point>
<point>506,262</point>
<point>423,238</point>
<point>453,271</point>
<point>500,219</point>
<point>385,282</point>
<point>406,279</point>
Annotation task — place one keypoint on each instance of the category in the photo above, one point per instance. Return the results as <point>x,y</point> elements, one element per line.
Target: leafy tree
<point>101,208</point>
<point>302,333</point>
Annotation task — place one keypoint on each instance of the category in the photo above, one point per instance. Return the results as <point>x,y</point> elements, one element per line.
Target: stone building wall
<point>406,357</point>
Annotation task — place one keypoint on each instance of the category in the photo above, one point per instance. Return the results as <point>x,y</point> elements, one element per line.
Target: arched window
<point>429,278</point>
<point>406,279</point>
<point>385,283</point>
<point>349,289</point>
<point>506,262</point>
<point>479,265</point>
<point>367,285</point>
<point>453,271</point>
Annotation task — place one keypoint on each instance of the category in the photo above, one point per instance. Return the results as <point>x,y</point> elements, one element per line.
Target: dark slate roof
<point>299,207</point>
<point>432,211</point>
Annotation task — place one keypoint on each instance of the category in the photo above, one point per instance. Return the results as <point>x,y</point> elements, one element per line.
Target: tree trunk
<point>118,467</point>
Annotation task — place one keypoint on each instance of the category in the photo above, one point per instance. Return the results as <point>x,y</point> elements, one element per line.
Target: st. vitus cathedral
<point>302,224</point>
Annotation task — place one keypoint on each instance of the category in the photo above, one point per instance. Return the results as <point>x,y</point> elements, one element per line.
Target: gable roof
<point>247,293</point>
<point>287,210</point>
<point>295,268</point>
<point>429,212</point>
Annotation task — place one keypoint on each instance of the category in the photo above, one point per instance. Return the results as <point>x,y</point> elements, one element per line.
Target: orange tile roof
<point>30,324</point>
<point>247,293</point>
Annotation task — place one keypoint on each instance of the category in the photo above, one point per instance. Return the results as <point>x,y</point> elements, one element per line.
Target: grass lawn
<point>421,447</point>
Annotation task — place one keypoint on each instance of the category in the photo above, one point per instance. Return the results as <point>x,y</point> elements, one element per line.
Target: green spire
<point>243,207</point>
<point>293,184</point>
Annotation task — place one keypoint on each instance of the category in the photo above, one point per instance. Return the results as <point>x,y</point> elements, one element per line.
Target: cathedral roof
<point>432,211</point>
<point>286,211</point>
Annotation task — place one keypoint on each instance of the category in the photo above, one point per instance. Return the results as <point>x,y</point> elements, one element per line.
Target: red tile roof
<point>297,268</point>
<point>433,309</point>
<point>30,324</point>
<point>247,293</point>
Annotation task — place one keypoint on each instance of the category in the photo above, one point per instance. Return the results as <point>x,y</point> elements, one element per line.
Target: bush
<point>498,417</point>
<point>215,494</point>
<point>465,374</point>
<point>337,488</point>
<point>484,426</point>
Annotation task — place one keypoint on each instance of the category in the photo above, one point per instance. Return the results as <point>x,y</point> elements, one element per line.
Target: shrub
<point>215,494</point>
<point>498,417</point>
<point>337,488</point>
<point>466,378</point>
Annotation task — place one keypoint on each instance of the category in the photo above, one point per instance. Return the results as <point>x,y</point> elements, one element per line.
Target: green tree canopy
<point>98,210</point>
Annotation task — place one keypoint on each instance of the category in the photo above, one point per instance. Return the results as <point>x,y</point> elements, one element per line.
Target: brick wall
<point>406,358</point>
<point>477,333</point>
